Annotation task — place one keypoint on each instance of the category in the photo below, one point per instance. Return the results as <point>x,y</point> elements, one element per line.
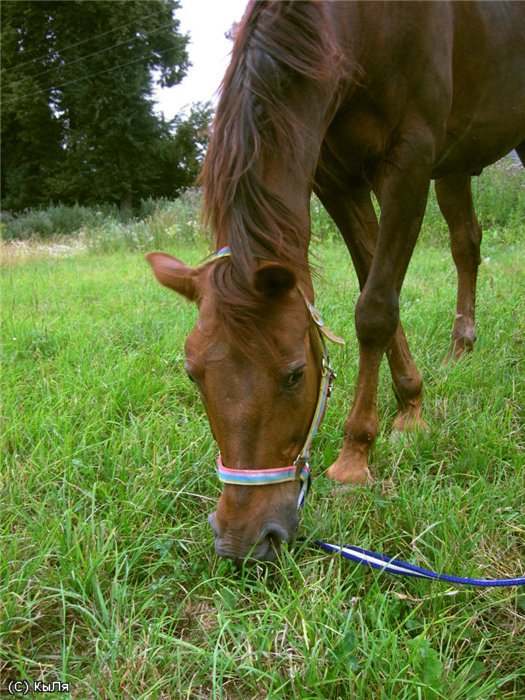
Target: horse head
<point>262,372</point>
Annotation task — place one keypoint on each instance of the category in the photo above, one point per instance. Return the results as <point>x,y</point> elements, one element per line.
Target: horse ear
<point>174,274</point>
<point>273,280</point>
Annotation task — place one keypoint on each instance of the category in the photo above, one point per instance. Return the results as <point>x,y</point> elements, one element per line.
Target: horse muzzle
<point>242,549</point>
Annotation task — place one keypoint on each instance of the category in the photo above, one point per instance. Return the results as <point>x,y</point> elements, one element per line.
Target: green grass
<point>108,577</point>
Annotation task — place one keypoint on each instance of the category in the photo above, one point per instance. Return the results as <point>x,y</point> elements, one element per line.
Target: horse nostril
<point>212,519</point>
<point>274,533</point>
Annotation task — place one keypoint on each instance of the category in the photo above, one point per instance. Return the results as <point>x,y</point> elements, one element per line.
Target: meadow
<point>108,578</point>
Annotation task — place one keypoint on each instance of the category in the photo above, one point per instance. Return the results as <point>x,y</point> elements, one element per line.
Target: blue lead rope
<point>356,554</point>
<point>403,568</point>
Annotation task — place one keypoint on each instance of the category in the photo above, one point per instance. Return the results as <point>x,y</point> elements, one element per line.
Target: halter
<point>300,469</point>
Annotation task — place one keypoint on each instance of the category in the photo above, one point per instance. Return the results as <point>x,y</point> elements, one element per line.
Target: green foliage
<point>185,149</point>
<point>427,665</point>
<point>55,220</point>
<point>77,117</point>
<point>30,131</point>
<point>102,229</point>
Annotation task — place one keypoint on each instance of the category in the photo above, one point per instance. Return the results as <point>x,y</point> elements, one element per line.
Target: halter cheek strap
<point>300,470</point>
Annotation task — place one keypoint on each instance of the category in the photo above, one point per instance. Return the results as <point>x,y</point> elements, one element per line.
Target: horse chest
<point>357,140</point>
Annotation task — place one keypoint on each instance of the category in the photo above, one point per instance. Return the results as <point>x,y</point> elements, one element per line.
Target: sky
<point>206,21</point>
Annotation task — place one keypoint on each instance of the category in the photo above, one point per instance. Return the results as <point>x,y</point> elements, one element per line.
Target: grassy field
<point>108,580</point>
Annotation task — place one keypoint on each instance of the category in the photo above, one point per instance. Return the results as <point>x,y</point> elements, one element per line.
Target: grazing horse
<point>343,99</point>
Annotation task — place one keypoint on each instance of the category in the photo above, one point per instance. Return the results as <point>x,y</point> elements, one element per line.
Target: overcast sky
<point>206,21</point>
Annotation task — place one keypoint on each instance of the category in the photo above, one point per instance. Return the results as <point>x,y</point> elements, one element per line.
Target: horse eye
<point>294,378</point>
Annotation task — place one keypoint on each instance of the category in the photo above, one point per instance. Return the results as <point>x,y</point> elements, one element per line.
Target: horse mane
<point>279,48</point>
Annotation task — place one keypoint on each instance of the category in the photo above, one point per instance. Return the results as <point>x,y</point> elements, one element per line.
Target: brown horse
<point>343,99</point>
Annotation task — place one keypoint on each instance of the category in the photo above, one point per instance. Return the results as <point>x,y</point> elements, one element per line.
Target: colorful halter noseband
<point>300,469</point>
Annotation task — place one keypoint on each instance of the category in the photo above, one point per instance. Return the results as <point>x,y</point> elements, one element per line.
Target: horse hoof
<point>458,349</point>
<point>351,475</point>
<point>405,423</point>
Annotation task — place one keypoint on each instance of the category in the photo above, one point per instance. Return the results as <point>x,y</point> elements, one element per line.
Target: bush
<point>54,220</point>
<point>498,197</point>
<point>103,229</point>
<point>162,223</point>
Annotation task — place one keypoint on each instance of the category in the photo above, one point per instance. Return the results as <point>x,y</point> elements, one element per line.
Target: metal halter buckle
<point>332,375</point>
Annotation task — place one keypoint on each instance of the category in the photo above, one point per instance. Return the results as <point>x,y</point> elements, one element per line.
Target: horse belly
<point>473,141</point>
<point>487,114</point>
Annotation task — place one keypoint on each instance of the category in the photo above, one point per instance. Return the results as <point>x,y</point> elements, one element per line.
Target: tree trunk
<point>126,205</point>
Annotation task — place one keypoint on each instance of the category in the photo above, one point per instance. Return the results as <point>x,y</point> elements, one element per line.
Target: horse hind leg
<point>454,195</point>
<point>407,385</point>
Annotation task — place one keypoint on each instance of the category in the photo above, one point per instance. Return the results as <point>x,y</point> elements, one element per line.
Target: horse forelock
<point>251,323</point>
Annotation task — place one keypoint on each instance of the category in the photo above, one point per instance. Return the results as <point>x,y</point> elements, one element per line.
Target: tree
<point>77,115</point>
<point>31,133</point>
<point>182,150</point>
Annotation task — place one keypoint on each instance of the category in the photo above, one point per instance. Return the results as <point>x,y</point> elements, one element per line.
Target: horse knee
<point>408,388</point>
<point>466,245</point>
<point>376,319</point>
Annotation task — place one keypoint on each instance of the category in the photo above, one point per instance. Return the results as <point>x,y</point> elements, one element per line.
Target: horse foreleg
<point>362,425</point>
<point>351,209</point>
<point>454,197</point>
<point>402,187</point>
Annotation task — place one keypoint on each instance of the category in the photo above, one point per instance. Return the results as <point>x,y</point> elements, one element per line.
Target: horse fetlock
<point>361,430</point>
<point>351,467</point>
<point>409,419</point>
<point>462,341</point>
<point>408,391</point>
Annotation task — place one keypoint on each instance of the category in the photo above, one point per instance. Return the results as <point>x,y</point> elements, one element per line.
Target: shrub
<point>54,220</point>
<point>163,222</point>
